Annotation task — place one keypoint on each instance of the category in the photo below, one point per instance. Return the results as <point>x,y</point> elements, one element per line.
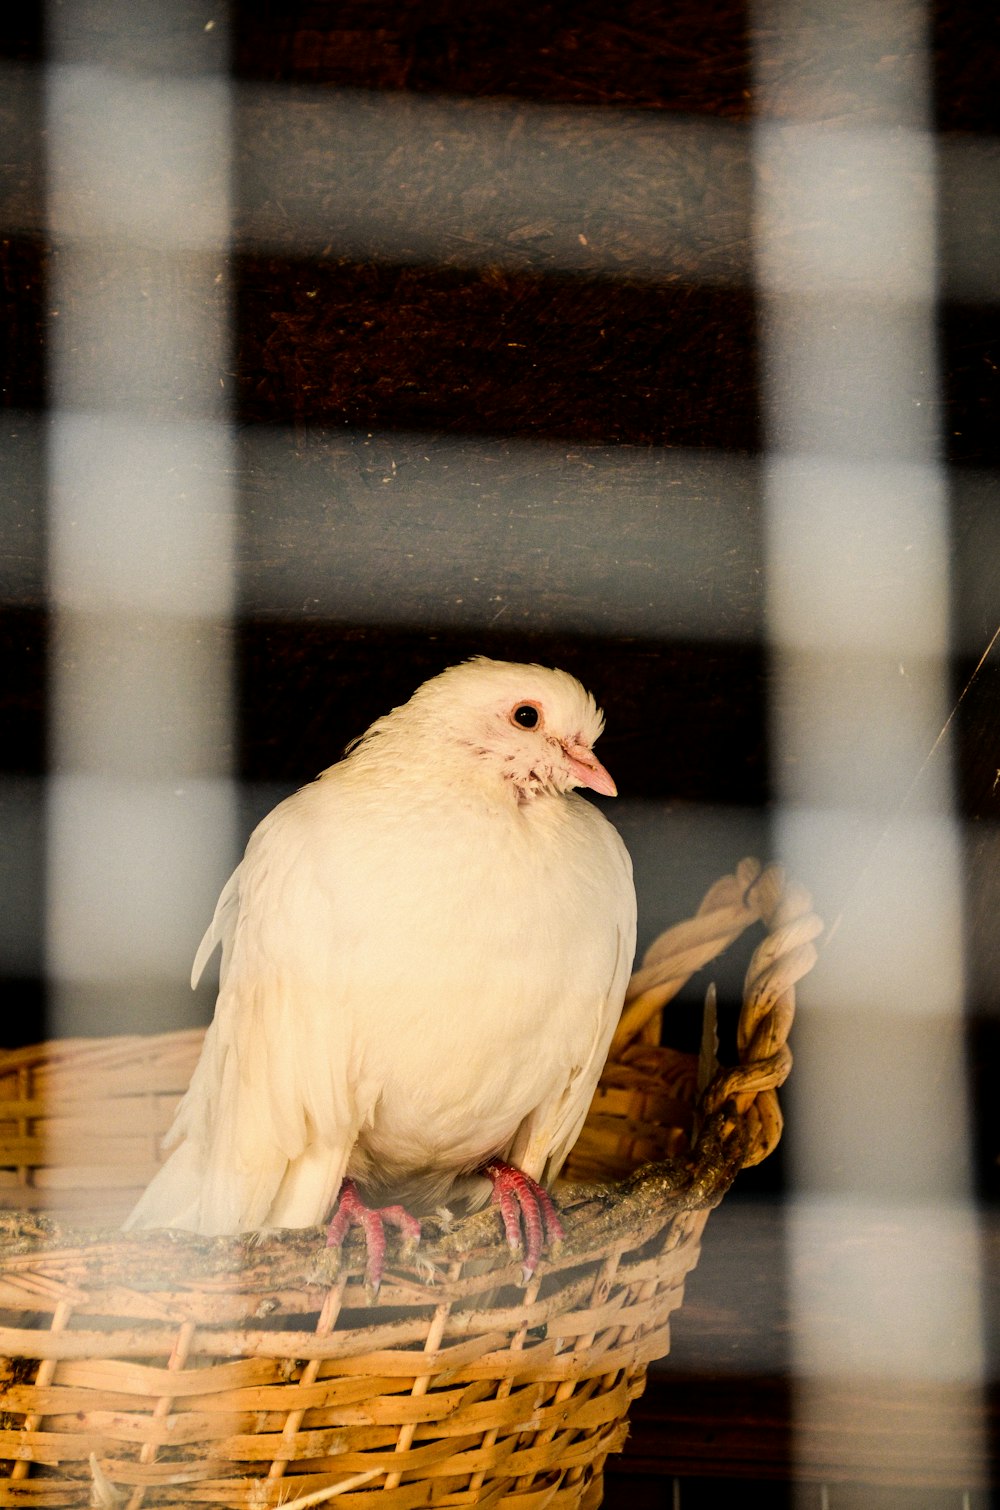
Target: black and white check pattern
<point>342,342</point>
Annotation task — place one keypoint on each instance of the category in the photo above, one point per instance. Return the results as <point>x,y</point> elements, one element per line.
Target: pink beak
<point>588,770</point>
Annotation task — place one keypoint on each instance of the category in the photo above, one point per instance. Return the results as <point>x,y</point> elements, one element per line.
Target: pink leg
<point>522,1200</point>
<point>352,1212</point>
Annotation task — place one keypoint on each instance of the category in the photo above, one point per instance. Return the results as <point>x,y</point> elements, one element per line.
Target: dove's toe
<point>524,1204</point>
<point>352,1211</point>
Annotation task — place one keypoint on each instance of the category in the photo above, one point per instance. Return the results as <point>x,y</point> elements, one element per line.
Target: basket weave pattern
<point>168,1369</point>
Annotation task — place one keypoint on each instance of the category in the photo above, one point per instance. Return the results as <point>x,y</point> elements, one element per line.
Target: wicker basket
<point>167,1369</point>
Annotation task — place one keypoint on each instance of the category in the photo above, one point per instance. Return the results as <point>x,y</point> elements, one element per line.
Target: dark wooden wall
<point>381,401</point>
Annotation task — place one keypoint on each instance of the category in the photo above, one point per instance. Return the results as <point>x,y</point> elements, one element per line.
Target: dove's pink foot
<point>523,1201</point>
<point>352,1212</point>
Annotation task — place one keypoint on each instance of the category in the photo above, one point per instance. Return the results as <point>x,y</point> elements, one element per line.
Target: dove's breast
<point>472,950</point>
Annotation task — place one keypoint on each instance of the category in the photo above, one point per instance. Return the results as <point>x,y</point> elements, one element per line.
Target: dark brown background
<point>351,355</point>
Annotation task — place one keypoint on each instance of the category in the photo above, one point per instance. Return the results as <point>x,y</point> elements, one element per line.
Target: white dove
<point>424,957</point>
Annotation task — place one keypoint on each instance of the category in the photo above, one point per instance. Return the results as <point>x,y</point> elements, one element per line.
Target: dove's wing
<point>546,1136</point>
<point>273,1110</point>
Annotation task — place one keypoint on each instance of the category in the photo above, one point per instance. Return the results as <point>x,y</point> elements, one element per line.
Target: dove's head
<point>527,730</point>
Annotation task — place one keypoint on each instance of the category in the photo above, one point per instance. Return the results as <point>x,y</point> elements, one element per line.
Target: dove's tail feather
<point>190,1194</point>
<point>308,1188</point>
<point>207,1196</point>
<point>173,1197</point>
<point>221,1178</point>
<point>210,1184</point>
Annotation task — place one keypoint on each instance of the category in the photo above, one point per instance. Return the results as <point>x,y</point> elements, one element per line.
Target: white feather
<point>424,956</point>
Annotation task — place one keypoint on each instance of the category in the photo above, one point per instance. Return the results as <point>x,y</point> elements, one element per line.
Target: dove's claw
<point>523,1202</point>
<point>352,1212</point>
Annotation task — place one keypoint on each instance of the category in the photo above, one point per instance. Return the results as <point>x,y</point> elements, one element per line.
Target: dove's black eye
<point>525,715</point>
